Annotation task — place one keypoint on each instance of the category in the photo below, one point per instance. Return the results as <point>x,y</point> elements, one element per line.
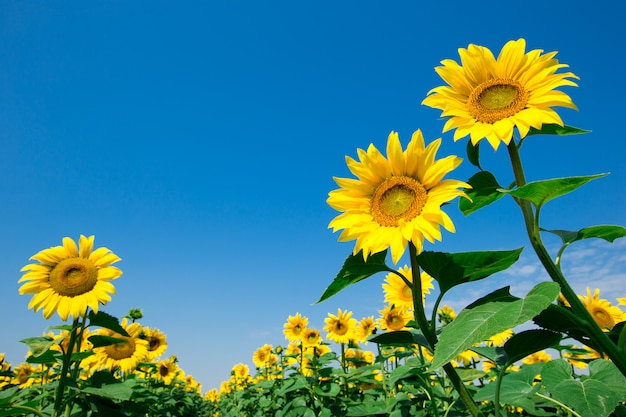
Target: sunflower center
<point>395,322</point>
<point>340,329</point>
<point>407,292</point>
<point>497,99</point>
<point>119,351</point>
<point>398,198</point>
<point>164,370</point>
<point>603,318</point>
<point>153,343</point>
<point>73,276</point>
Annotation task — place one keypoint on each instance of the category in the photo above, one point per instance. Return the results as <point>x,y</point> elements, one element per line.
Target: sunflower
<point>394,318</point>
<point>602,311</point>
<point>537,357</point>
<point>125,355</point>
<point>446,315</point>
<point>69,279</point>
<point>340,328</point>
<point>399,293</point>
<point>167,369</point>
<point>157,343</point>
<point>263,356</point>
<point>397,200</point>
<point>487,97</point>
<point>365,328</point>
<point>294,327</point>
<point>358,358</point>
<point>500,338</point>
<point>311,337</point>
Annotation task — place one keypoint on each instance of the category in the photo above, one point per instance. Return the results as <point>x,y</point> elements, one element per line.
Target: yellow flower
<point>365,328</point>
<point>340,328</point>
<point>500,338</point>
<point>311,337</point>
<point>537,357</point>
<point>396,200</point>
<point>398,293</point>
<point>446,314</point>
<point>358,358</point>
<point>167,370</point>
<point>394,318</point>
<point>125,355</point>
<point>157,343</point>
<point>68,279</point>
<point>621,301</point>
<point>263,356</point>
<point>212,395</point>
<point>488,97</point>
<point>602,311</point>
<point>294,327</point>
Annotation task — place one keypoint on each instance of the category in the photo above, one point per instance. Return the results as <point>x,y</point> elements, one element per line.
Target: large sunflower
<point>396,200</point>
<point>294,327</point>
<point>487,97</point>
<point>398,293</point>
<point>602,311</point>
<point>68,279</point>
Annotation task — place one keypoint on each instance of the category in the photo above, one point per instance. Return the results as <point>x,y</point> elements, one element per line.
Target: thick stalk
<point>431,337</point>
<point>65,367</point>
<point>601,340</point>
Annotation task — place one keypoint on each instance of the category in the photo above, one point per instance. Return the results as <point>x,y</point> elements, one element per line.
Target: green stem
<point>560,404</point>
<point>65,367</point>
<point>431,337</point>
<point>496,399</point>
<point>25,408</point>
<point>600,339</point>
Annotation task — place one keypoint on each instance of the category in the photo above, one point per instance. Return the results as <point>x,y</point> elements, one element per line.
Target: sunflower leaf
<point>606,231</point>
<point>483,321</point>
<point>554,129</point>
<point>528,342</point>
<point>101,341</point>
<point>107,321</point>
<point>540,192</point>
<point>38,345</point>
<point>473,154</point>
<point>452,269</point>
<point>484,191</point>
<point>356,269</point>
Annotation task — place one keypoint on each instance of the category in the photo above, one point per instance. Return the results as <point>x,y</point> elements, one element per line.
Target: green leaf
<point>107,321</point>
<point>528,342</point>
<point>399,338</point>
<point>605,231</point>
<point>484,191</point>
<point>38,345</point>
<point>594,396</point>
<point>556,318</point>
<point>452,269</point>
<point>473,154</point>
<point>48,357</point>
<point>355,269</point>
<point>554,129</point>
<point>501,294</point>
<point>481,322</point>
<point>540,192</point>
<point>101,341</point>
<point>495,354</point>
<point>120,391</point>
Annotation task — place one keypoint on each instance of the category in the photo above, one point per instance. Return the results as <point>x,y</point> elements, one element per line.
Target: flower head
<point>399,293</point>
<point>396,200</point>
<point>69,279</point>
<point>394,318</point>
<point>602,311</point>
<point>365,328</point>
<point>294,327</point>
<point>125,355</point>
<point>488,97</point>
<point>157,342</point>
<point>341,327</point>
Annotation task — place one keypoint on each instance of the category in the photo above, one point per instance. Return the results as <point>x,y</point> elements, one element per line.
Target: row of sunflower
<point>97,365</point>
<point>362,367</point>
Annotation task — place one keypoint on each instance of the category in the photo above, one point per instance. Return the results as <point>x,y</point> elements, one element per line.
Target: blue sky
<point>198,141</point>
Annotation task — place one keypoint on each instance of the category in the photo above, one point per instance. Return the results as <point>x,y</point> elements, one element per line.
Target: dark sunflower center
<point>153,343</point>
<point>395,322</point>
<point>164,370</point>
<point>340,329</point>
<point>74,276</point>
<point>407,292</point>
<point>497,99</point>
<point>603,318</point>
<point>398,198</point>
<point>119,351</point>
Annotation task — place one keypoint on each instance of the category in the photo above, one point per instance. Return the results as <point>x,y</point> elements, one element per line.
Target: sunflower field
<point>551,353</point>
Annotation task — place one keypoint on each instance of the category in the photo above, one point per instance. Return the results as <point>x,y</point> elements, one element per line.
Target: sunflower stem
<point>431,337</point>
<point>65,368</point>
<point>600,339</point>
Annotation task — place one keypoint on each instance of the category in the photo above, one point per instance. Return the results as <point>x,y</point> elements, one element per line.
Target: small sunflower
<point>487,98</point>
<point>157,342</point>
<point>365,328</point>
<point>396,200</point>
<point>294,327</point>
<point>602,311</point>
<point>125,355</point>
<point>167,370</point>
<point>311,337</point>
<point>69,279</point>
<point>500,338</point>
<point>537,357</point>
<point>263,356</point>
<point>394,318</point>
<point>398,293</point>
<point>446,315</point>
<point>340,327</point>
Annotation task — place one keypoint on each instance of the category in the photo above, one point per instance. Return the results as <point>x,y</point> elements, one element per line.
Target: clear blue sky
<point>198,141</point>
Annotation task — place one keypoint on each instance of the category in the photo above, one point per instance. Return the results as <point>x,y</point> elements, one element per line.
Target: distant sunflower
<point>262,357</point>
<point>500,338</point>
<point>125,355</point>
<point>397,200</point>
<point>398,293</point>
<point>365,328</point>
<point>394,318</point>
<point>68,279</point>
<point>340,327</point>
<point>311,337</point>
<point>294,327</point>
<point>537,357</point>
<point>488,97</point>
<point>167,370</point>
<point>602,311</point>
<point>157,342</point>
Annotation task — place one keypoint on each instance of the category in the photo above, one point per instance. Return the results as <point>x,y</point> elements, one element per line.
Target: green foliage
<point>356,269</point>
<point>476,324</point>
<point>485,190</point>
<point>554,129</point>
